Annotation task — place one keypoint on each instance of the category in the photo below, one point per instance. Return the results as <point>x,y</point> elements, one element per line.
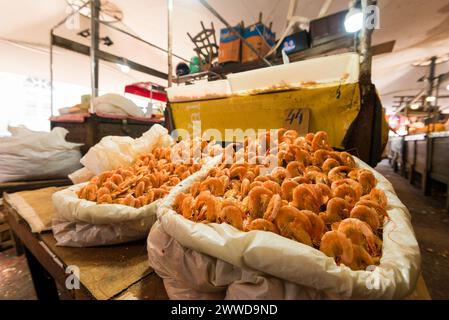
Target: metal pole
<point>219,17</point>
<point>94,40</point>
<point>140,39</point>
<point>51,72</point>
<point>170,42</point>
<point>51,50</point>
<point>365,48</point>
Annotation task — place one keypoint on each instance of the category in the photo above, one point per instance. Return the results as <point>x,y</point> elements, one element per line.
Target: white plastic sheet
<point>82,223</point>
<point>304,272</point>
<point>32,155</point>
<point>115,104</point>
<point>113,151</point>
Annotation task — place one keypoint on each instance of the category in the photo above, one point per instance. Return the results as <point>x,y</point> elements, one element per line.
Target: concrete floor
<point>430,222</point>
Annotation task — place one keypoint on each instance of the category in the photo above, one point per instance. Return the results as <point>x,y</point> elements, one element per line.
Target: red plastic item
<point>148,90</point>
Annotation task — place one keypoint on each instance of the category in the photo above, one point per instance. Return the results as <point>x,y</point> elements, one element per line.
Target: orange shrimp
<point>378,196</point>
<point>317,177</point>
<point>279,174</point>
<point>261,225</point>
<point>214,185</point>
<point>288,215</point>
<point>337,209</point>
<point>365,178</point>
<point>335,244</point>
<point>320,141</point>
<point>344,191</point>
<point>117,179</point>
<point>301,155</point>
<point>305,198</point>
<point>186,207</point>
<point>361,259</point>
<point>359,232</point>
<point>195,188</point>
<point>245,187</point>
<point>320,156</point>
<point>323,192</point>
<point>273,208</point>
<point>347,159</point>
<point>381,212</point>
<point>177,202</point>
<point>294,169</point>
<point>89,192</point>
<point>318,226</point>
<point>104,199</point>
<point>287,189</point>
<point>338,173</point>
<point>129,200</point>
<point>211,211</point>
<point>103,191</point>
<point>140,188</point>
<point>232,215</point>
<point>352,183</point>
<point>256,202</point>
<point>366,214</point>
<point>272,186</point>
<point>238,171</point>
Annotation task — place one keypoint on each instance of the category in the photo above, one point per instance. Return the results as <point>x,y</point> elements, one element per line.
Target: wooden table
<point>106,273</point>
<point>112,272</point>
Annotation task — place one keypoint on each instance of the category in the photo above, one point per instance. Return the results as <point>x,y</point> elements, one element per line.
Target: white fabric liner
<point>323,71</point>
<point>82,223</point>
<point>262,252</point>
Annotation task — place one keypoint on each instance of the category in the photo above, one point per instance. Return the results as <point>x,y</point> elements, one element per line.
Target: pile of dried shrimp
<point>151,177</point>
<point>314,195</point>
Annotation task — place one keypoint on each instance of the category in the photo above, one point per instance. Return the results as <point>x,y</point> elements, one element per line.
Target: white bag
<point>113,152</point>
<point>83,223</point>
<point>261,264</point>
<point>115,104</point>
<point>33,155</point>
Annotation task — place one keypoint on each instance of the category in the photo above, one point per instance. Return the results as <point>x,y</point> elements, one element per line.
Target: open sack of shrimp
<point>119,204</point>
<point>319,224</point>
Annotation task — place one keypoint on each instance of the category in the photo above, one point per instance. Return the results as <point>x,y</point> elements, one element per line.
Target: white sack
<point>113,151</point>
<point>81,234</point>
<point>81,223</point>
<point>32,155</point>
<point>285,259</point>
<point>116,104</point>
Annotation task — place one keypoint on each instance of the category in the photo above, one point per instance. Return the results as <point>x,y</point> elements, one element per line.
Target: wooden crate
<point>5,235</point>
<point>95,127</point>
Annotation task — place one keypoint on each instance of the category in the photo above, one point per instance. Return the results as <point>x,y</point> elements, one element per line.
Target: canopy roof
<point>418,27</point>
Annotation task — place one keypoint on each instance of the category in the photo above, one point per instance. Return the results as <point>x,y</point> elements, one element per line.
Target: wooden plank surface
<point>32,185</point>
<point>34,206</point>
<point>105,271</point>
<point>149,288</point>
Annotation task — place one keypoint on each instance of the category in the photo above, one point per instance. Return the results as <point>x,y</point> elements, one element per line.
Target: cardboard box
<point>261,38</point>
<point>230,45</point>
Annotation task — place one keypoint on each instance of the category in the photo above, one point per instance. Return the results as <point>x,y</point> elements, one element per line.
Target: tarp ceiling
<point>419,28</point>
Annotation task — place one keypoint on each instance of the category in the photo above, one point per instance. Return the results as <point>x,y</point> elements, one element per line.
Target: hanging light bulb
<point>447,88</point>
<point>354,20</point>
<point>124,67</point>
<point>431,99</point>
<point>414,106</point>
